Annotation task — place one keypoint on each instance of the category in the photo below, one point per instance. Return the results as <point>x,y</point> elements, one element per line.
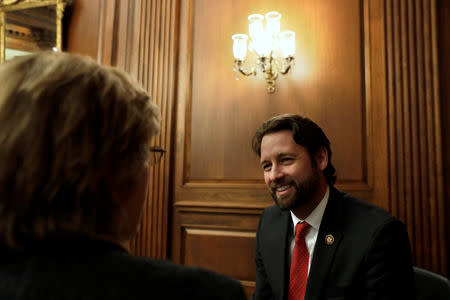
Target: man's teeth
<point>282,188</point>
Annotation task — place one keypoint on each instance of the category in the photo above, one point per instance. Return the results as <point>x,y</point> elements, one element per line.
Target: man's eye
<point>266,167</point>
<point>285,160</point>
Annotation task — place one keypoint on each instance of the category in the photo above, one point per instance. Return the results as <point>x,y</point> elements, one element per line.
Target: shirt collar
<point>315,217</point>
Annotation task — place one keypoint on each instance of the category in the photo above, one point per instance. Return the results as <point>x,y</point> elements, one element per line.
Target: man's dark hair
<point>305,132</point>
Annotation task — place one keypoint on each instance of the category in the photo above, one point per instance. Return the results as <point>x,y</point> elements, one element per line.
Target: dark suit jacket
<point>88,269</point>
<point>370,257</point>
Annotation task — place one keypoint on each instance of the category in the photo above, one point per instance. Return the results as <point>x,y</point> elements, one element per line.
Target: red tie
<point>299,264</point>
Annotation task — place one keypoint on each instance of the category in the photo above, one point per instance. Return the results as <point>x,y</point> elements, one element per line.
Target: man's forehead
<point>278,140</point>
<point>278,155</point>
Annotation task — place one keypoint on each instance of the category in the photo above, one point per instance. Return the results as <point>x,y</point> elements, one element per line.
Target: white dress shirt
<point>314,219</point>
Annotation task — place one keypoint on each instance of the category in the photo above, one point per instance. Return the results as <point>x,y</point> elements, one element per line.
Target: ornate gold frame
<point>12,5</point>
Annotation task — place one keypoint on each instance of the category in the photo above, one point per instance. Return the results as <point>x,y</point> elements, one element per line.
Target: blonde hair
<point>69,129</point>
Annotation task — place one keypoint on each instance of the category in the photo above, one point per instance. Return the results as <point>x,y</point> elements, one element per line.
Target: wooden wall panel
<point>444,86</point>
<point>146,49</point>
<point>219,239</point>
<point>415,145</point>
<point>230,246</point>
<point>92,29</point>
<point>82,34</point>
<point>215,169</point>
<point>139,37</point>
<point>390,89</point>
<point>225,112</point>
<point>218,116</point>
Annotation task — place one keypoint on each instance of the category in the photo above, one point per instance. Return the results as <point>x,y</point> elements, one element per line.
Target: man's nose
<point>276,173</point>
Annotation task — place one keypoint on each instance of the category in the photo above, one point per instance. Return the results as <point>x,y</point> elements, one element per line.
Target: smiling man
<point>317,242</point>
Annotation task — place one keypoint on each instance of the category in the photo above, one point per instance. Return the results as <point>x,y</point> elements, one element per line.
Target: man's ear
<point>322,158</point>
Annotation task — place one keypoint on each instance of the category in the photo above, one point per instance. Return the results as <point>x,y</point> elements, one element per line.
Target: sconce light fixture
<point>274,49</point>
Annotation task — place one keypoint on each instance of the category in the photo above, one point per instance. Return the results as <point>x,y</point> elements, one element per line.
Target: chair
<point>431,286</point>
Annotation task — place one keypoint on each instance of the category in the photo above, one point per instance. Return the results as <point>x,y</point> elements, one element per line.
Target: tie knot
<point>301,229</point>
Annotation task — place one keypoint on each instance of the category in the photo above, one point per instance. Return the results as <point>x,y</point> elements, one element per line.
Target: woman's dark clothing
<point>82,268</point>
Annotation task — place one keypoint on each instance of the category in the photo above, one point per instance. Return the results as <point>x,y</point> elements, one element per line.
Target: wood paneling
<point>217,116</point>
<point>415,157</point>
<point>366,72</point>
<point>139,37</point>
<point>212,217</point>
<point>207,248</point>
<point>443,16</point>
<point>146,49</point>
<point>215,169</point>
<point>83,27</point>
<point>92,29</point>
<point>225,112</point>
<point>219,239</point>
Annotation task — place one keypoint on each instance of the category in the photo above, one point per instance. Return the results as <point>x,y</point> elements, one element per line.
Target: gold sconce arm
<point>289,62</point>
<point>269,66</point>
<point>239,67</point>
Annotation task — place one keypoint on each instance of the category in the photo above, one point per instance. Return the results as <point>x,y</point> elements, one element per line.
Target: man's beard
<point>303,194</point>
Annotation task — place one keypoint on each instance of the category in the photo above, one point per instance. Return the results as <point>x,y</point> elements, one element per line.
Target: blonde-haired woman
<point>75,156</point>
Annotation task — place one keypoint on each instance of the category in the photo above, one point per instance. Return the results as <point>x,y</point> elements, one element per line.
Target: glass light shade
<point>263,45</point>
<point>287,43</point>
<point>273,23</point>
<point>255,26</point>
<point>240,46</point>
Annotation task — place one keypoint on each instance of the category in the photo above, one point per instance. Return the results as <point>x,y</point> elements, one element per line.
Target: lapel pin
<point>329,239</point>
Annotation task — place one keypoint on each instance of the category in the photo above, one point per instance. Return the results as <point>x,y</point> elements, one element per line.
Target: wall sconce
<point>274,49</point>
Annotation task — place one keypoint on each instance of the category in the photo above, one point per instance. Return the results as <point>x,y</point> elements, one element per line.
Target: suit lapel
<point>278,248</point>
<point>328,238</point>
